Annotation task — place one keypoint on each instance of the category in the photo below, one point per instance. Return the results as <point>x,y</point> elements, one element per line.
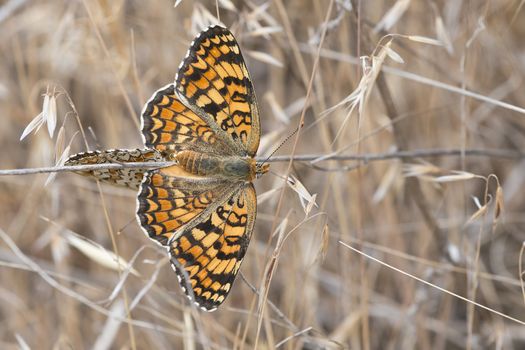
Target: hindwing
<point>207,256</point>
<point>169,199</point>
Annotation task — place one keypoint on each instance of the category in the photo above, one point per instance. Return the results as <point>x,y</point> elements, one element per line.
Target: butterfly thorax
<point>234,168</point>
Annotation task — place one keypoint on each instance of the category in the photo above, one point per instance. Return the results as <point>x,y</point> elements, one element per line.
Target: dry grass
<point>105,58</point>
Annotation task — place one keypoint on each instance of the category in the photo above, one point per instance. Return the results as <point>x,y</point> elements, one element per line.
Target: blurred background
<point>426,95</point>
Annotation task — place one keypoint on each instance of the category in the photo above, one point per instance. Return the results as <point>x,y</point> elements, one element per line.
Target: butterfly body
<point>203,208</point>
<point>230,168</point>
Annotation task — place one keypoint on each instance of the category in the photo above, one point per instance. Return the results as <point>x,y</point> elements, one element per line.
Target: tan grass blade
<point>277,111</point>
<point>271,265</point>
<point>456,176</point>
<point>47,115</point>
<point>443,36</point>
<point>393,15</point>
<point>111,328</point>
<point>21,342</point>
<point>323,247</point>
<point>124,276</point>
<point>201,19</point>
<point>421,170</point>
<point>479,213</point>
<point>263,197</point>
<point>500,204</point>
<point>265,58</point>
<point>371,67</point>
<point>425,40</point>
<point>64,154</point>
<point>35,125</point>
<point>387,181</point>
<point>228,5</point>
<point>307,200</point>
<point>265,31</point>
<point>97,253</point>
<point>394,55</point>
<point>52,115</point>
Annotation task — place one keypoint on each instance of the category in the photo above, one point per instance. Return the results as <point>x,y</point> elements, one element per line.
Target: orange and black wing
<point>168,200</point>
<point>167,124</point>
<point>207,256</point>
<point>215,82</point>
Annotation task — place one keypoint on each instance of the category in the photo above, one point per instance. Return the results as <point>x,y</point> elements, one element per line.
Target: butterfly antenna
<point>282,143</point>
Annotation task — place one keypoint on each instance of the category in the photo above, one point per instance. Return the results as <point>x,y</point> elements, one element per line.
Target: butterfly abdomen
<point>228,167</point>
<point>198,163</point>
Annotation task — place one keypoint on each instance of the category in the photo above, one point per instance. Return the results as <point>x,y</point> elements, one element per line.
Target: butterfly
<point>203,208</point>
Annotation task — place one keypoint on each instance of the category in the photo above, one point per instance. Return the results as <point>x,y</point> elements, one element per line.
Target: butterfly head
<point>261,169</point>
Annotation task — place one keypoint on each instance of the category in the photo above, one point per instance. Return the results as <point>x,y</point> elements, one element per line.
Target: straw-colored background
<point>110,56</point>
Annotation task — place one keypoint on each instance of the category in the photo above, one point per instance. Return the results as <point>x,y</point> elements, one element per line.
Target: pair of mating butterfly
<point>202,209</point>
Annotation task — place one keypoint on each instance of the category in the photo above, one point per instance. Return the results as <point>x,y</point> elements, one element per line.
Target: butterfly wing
<point>215,82</point>
<point>167,124</point>
<point>170,198</point>
<point>207,256</point>
<point>130,178</point>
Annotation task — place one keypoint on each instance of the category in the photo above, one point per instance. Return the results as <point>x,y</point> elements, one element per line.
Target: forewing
<point>130,178</point>
<point>167,124</point>
<point>166,203</point>
<point>214,78</point>
<point>207,256</point>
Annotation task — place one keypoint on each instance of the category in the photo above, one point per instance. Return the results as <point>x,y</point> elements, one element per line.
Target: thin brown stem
<point>363,158</point>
